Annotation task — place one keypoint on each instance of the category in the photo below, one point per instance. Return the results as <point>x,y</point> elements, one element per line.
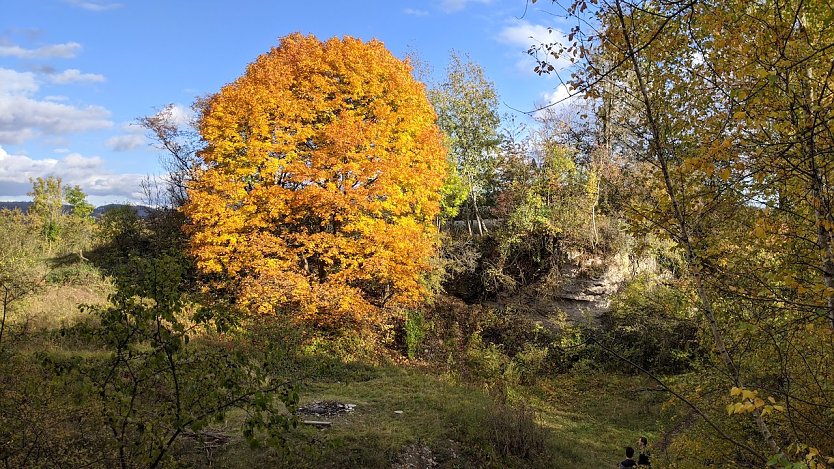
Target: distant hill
<point>142,210</point>
<point>22,206</point>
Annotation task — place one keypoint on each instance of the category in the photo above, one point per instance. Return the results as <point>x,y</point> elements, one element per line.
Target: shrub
<point>414,332</point>
<point>504,432</point>
<point>532,362</point>
<point>74,274</point>
<point>651,324</point>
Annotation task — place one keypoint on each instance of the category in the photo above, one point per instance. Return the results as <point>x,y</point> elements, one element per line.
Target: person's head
<point>643,442</point>
<point>629,452</point>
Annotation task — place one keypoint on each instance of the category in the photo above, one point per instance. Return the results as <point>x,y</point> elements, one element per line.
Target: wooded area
<point>653,257</point>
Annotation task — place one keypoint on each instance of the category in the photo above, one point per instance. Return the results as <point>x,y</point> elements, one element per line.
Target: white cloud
<point>73,169</point>
<point>73,75</point>
<point>558,101</point>
<point>13,82</point>
<point>17,83</point>
<point>451,6</point>
<point>177,114</point>
<point>95,5</point>
<point>132,137</point>
<point>415,12</point>
<point>22,117</point>
<point>125,142</point>
<point>560,95</point>
<point>66,50</point>
<point>523,34</point>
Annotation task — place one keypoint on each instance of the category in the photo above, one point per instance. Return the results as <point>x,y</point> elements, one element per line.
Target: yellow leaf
<point>725,174</point>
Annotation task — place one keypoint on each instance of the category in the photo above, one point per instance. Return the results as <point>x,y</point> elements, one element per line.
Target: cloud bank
<point>22,116</point>
<point>73,169</point>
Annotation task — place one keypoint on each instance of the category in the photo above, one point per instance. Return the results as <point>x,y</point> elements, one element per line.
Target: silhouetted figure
<point>629,460</point>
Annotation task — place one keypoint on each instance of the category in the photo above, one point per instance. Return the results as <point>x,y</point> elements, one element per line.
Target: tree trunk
<point>3,322</point>
<point>480,221</point>
<point>474,204</point>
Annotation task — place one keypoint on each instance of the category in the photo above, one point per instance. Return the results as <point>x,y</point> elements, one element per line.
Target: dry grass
<point>57,306</point>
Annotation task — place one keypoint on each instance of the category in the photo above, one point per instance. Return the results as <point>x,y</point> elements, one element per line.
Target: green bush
<point>414,332</point>
<point>652,325</point>
<point>486,360</point>
<point>74,274</point>
<point>532,362</point>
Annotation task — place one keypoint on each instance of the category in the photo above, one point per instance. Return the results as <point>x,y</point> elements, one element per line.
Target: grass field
<point>582,420</point>
<point>407,413</point>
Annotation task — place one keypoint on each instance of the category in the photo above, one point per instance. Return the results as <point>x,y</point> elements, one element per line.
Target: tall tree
<point>323,168</point>
<point>78,225</point>
<point>467,111</point>
<point>21,271</point>
<point>47,203</point>
<point>643,62</point>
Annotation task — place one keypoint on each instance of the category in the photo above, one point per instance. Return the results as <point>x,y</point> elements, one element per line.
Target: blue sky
<point>76,74</point>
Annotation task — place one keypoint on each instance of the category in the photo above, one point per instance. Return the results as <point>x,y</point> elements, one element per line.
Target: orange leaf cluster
<point>322,174</point>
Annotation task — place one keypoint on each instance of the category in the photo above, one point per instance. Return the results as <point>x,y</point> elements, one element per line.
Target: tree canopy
<point>322,177</point>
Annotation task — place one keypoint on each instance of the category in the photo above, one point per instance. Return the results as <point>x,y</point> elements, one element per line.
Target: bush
<point>486,360</point>
<point>504,432</point>
<point>414,332</point>
<point>651,324</point>
<point>532,362</point>
<point>74,274</point>
<point>460,262</point>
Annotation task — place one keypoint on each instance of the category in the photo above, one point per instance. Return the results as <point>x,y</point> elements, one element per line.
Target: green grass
<point>582,420</point>
<point>594,416</point>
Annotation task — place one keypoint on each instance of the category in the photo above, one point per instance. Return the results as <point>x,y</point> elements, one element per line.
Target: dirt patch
<point>416,456</point>
<point>326,408</point>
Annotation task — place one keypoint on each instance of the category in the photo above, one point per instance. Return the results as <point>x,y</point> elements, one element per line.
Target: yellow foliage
<point>751,402</point>
<point>323,168</point>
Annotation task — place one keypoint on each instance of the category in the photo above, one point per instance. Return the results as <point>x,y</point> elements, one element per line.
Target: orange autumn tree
<point>321,179</point>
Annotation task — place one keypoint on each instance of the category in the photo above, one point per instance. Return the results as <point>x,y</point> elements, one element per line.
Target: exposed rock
<point>581,290</point>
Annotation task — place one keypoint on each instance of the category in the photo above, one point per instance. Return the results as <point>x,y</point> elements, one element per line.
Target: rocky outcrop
<point>580,292</point>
